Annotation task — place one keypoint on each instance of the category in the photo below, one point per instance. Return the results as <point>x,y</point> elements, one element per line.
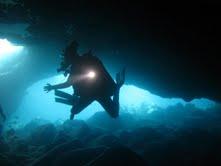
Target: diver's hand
<point>48,88</point>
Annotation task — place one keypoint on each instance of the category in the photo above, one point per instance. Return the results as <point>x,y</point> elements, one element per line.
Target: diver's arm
<point>61,86</point>
<point>66,84</point>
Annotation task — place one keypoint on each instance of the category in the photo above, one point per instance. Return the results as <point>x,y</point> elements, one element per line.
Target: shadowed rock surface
<point>52,155</point>
<point>118,156</point>
<point>43,135</point>
<point>178,135</point>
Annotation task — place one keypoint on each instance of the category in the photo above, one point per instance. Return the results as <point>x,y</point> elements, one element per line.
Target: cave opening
<point>37,104</point>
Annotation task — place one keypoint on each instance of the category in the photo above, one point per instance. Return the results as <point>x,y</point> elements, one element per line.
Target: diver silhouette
<point>90,81</point>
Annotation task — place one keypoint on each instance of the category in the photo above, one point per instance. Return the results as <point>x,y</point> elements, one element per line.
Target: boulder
<point>4,147</point>
<point>5,161</point>
<point>106,140</point>
<point>118,155</point>
<point>79,157</point>
<point>76,128</point>
<point>140,136</point>
<point>103,120</point>
<point>43,134</point>
<point>50,157</point>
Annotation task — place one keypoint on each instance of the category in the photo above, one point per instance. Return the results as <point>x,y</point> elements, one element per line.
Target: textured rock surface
<point>143,142</point>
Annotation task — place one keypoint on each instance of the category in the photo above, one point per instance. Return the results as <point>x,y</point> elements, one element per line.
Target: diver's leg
<point>120,79</point>
<point>62,94</point>
<point>65,98</point>
<point>116,97</point>
<point>63,101</point>
<point>111,106</point>
<point>79,106</point>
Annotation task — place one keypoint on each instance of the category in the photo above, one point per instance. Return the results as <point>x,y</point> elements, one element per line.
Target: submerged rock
<point>60,138</point>
<point>76,128</point>
<point>106,140</point>
<point>118,155</point>
<point>103,120</point>
<point>141,136</point>
<point>79,157</point>
<point>20,146</point>
<point>4,147</point>
<point>100,140</point>
<point>43,135</point>
<point>5,161</point>
<point>33,124</point>
<point>50,157</point>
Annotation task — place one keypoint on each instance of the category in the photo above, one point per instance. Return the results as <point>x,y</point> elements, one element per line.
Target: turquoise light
<point>10,56</point>
<point>7,49</point>
<point>38,104</point>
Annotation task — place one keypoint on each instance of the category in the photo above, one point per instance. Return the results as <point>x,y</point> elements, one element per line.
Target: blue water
<point>39,104</point>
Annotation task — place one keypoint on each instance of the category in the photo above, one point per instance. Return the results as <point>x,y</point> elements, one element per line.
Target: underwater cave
<point>170,94</point>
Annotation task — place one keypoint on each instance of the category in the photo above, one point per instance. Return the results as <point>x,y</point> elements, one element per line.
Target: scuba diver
<point>90,81</point>
<point>3,118</point>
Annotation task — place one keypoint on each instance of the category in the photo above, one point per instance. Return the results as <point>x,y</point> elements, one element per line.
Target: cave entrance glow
<point>8,49</point>
<point>10,56</point>
<point>38,104</point>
